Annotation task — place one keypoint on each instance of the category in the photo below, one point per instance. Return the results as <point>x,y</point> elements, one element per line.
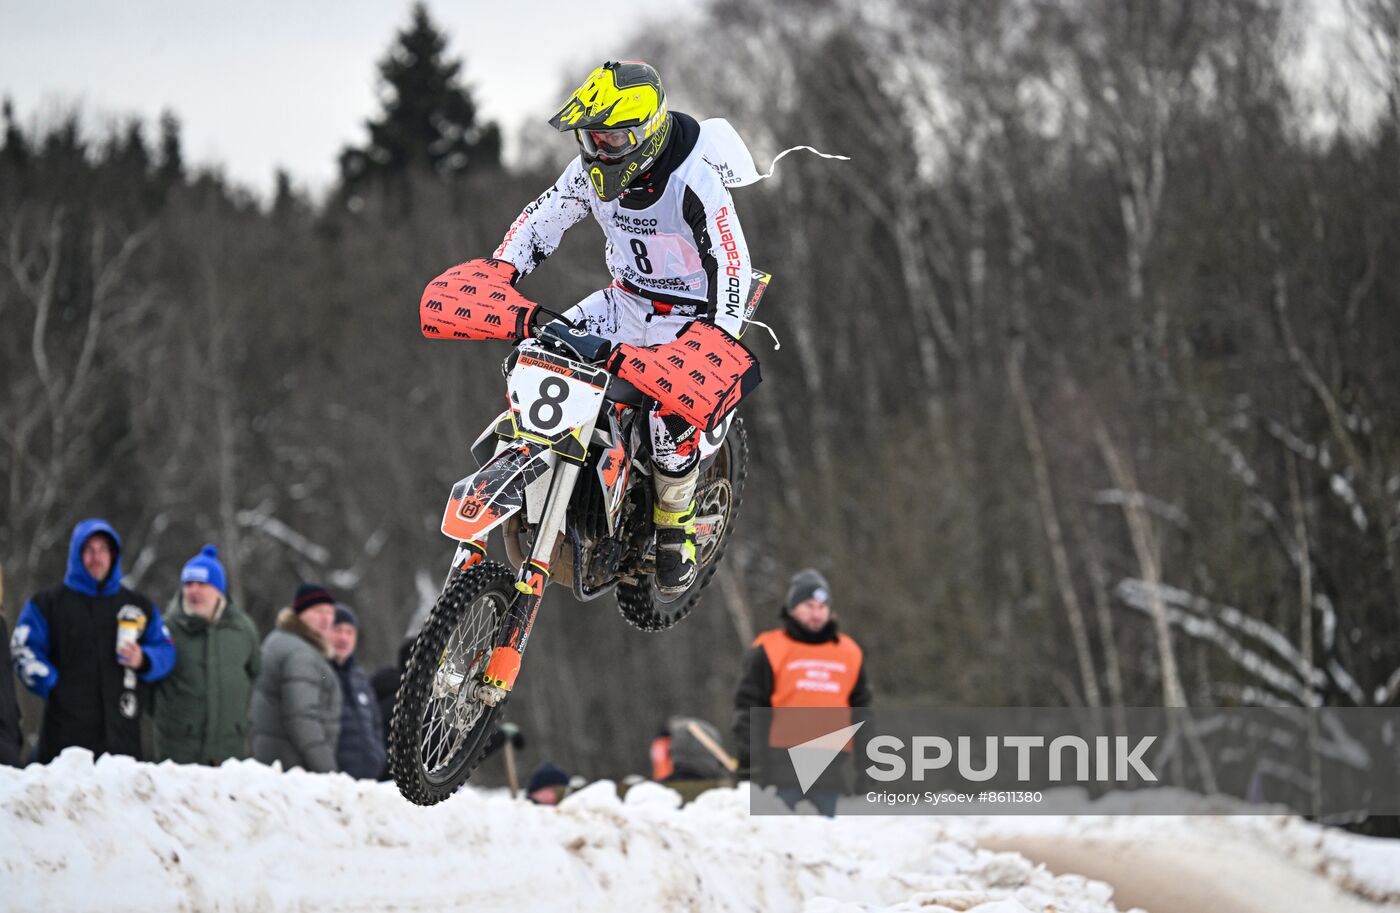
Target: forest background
<point>1085,397</point>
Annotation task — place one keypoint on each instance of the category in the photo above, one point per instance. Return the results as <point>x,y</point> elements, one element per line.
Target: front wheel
<point>717,496</point>
<point>439,729</point>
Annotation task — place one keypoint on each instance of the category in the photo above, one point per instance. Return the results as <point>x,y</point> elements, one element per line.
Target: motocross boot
<point>674,519</point>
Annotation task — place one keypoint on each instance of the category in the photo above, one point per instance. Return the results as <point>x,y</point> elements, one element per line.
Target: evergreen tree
<point>429,121</point>
<point>15,149</point>
<point>127,150</point>
<point>170,165</point>
<point>287,202</point>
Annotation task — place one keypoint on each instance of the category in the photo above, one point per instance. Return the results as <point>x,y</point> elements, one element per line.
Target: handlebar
<point>575,342</point>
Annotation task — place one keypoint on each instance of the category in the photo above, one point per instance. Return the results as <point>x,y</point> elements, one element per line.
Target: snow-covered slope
<point>118,835</point>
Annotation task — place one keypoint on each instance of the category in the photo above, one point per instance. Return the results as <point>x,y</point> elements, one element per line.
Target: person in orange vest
<point>807,662</point>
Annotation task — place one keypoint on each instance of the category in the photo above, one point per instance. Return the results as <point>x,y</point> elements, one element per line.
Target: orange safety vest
<point>661,764</point>
<point>809,675</point>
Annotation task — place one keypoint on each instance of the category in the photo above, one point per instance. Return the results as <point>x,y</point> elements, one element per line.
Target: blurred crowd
<point>196,684</point>
<point>105,660</point>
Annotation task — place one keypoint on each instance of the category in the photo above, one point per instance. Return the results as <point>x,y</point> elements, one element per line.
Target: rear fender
<point>486,498</point>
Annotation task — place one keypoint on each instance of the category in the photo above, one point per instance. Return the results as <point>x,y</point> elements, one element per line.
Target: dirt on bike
<point>564,478</point>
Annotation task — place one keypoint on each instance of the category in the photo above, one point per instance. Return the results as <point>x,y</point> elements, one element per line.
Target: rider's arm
<point>539,229</point>
<point>709,211</point>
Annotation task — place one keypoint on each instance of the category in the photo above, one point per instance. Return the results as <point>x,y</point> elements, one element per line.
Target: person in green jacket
<point>201,708</point>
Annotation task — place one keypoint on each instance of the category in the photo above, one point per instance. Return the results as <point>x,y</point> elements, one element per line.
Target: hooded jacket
<point>64,649</point>
<point>201,708</point>
<point>296,701</point>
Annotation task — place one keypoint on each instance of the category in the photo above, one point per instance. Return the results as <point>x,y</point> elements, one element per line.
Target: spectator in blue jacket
<point>90,648</point>
<point>360,751</point>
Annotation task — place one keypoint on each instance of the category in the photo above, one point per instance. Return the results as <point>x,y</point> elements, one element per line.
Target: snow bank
<point>118,835</point>
<point>1368,867</point>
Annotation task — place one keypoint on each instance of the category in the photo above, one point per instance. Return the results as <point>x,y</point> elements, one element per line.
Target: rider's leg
<point>675,469</point>
<point>675,443</point>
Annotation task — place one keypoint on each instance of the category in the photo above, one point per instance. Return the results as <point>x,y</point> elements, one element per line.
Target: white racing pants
<point>620,316</point>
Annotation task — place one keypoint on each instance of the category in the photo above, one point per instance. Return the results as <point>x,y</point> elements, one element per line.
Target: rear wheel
<point>717,497</point>
<point>440,729</point>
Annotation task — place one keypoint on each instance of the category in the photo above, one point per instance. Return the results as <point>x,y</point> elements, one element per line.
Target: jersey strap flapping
<point>475,300</point>
<point>725,151</point>
<point>701,375</point>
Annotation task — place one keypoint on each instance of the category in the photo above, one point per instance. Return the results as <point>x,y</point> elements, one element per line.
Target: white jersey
<point>684,248</point>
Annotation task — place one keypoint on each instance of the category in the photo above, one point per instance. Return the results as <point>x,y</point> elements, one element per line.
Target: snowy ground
<point>1252,864</point>
<point>117,835</point>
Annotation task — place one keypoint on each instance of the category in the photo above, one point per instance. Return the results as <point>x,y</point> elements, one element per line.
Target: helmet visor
<point>608,145</point>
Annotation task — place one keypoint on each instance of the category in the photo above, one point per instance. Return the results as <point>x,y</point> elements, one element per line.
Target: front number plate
<point>553,397</point>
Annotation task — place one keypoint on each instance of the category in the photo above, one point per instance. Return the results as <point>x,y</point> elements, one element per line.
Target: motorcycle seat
<point>620,391</point>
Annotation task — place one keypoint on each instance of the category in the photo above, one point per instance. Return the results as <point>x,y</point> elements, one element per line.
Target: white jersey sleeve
<point>539,229</point>
<point>709,211</point>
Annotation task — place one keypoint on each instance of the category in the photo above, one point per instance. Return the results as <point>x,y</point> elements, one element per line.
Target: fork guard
<point>488,497</point>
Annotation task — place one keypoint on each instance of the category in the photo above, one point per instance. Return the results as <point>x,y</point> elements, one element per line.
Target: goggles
<point>609,145</point>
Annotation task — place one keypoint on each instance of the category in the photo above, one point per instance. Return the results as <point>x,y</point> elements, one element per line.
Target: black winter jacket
<point>361,752</point>
<point>11,738</point>
<point>64,650</point>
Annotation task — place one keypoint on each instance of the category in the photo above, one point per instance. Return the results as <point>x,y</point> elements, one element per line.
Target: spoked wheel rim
<point>719,493</point>
<point>713,497</point>
<point>711,507</point>
<point>451,712</point>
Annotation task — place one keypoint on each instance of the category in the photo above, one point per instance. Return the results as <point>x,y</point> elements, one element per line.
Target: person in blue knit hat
<point>201,708</point>
<point>207,569</point>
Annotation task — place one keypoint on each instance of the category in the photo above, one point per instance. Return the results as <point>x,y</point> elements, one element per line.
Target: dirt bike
<point>565,478</point>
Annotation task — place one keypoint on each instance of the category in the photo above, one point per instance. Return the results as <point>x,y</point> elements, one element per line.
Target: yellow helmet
<point>620,120</point>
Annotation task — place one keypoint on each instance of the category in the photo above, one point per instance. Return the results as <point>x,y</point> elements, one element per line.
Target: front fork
<point>508,649</point>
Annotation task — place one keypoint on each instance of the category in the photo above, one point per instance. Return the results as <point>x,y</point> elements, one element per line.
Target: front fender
<point>484,499</point>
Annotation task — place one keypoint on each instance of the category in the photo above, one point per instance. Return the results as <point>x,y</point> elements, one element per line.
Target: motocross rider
<point>674,249</point>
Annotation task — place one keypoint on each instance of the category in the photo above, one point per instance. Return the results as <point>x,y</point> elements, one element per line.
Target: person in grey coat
<point>296,702</point>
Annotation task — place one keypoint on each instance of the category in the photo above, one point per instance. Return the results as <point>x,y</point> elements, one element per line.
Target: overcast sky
<point>258,84</point>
